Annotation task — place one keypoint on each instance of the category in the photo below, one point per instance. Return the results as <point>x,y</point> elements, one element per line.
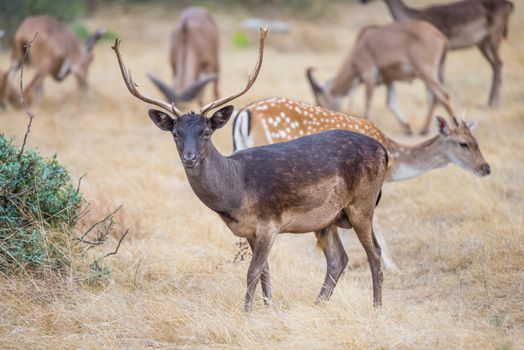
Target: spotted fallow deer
<point>278,119</point>
<point>385,54</point>
<point>56,51</point>
<point>310,184</point>
<point>481,23</point>
<point>194,56</point>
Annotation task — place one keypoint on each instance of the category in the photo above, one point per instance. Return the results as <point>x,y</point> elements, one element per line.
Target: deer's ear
<point>443,127</point>
<point>472,125</point>
<point>220,117</point>
<point>162,120</point>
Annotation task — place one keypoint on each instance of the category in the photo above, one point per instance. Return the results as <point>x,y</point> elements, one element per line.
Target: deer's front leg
<point>261,245</point>
<point>264,279</point>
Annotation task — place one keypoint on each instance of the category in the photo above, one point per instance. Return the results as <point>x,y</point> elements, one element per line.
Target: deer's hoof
<point>424,132</point>
<point>407,130</point>
<point>248,307</point>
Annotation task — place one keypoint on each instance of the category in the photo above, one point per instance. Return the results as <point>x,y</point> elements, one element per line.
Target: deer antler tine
<point>464,115</point>
<point>133,87</point>
<point>251,77</point>
<point>175,110</point>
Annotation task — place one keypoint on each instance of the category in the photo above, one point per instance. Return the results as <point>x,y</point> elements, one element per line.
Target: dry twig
<point>22,98</point>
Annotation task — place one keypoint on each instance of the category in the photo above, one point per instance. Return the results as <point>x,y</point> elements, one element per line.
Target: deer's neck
<point>412,161</point>
<point>400,11</point>
<point>342,82</point>
<point>218,182</point>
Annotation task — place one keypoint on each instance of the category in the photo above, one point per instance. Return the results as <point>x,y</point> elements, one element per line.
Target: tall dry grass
<point>458,239</point>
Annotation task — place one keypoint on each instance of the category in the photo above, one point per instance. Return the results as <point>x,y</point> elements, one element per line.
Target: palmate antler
<point>133,87</point>
<point>251,80</point>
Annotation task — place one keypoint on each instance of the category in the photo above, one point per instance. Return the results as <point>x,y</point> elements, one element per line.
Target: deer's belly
<point>321,209</point>
<point>468,35</point>
<point>401,71</point>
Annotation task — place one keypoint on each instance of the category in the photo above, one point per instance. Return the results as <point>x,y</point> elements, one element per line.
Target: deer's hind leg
<point>361,218</point>
<point>336,258</point>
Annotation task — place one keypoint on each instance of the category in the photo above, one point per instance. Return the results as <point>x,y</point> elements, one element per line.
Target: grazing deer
<point>481,23</point>
<point>278,119</point>
<point>287,187</point>
<point>193,56</point>
<point>56,52</point>
<point>384,54</point>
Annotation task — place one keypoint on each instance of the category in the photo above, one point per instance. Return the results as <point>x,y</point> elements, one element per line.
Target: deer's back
<point>396,46</point>
<point>202,33</point>
<point>54,43</point>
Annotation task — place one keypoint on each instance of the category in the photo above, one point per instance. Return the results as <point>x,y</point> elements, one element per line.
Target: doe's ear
<point>162,120</point>
<point>220,117</point>
<point>472,125</point>
<point>443,127</point>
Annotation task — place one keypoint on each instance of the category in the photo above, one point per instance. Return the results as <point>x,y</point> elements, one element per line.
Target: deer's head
<point>322,95</point>
<point>191,131</point>
<point>81,68</point>
<point>462,148</point>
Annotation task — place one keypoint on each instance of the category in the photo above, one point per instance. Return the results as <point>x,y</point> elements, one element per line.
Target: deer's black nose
<point>188,156</point>
<point>486,168</point>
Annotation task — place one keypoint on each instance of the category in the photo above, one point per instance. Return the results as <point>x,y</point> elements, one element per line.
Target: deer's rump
<point>321,172</point>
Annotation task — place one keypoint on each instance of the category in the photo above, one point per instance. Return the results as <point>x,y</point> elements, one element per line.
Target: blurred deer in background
<point>193,56</point>
<point>308,185</point>
<point>481,23</point>
<point>56,52</point>
<point>383,55</point>
<point>278,119</point>
<point>6,90</point>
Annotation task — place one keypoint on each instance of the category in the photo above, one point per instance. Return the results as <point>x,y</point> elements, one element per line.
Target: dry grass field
<point>458,239</point>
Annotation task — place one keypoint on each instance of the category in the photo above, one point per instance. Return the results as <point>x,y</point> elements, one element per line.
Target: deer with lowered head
<point>399,51</point>
<point>56,51</point>
<point>481,23</point>
<point>279,119</point>
<point>310,184</point>
<point>194,56</point>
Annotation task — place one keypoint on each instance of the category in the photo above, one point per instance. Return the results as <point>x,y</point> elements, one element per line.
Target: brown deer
<point>384,54</point>
<point>6,90</point>
<point>279,119</point>
<point>287,187</point>
<point>56,51</point>
<point>481,23</point>
<point>193,56</point>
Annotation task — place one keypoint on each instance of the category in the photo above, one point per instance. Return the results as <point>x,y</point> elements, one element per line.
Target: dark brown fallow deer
<point>481,23</point>
<point>311,184</point>
<point>193,56</point>
<point>56,51</point>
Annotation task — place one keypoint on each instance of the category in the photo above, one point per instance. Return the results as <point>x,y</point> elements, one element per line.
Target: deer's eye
<point>464,145</point>
<point>206,134</point>
<point>175,135</point>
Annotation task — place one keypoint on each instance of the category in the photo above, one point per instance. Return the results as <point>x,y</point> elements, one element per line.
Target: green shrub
<point>39,207</point>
